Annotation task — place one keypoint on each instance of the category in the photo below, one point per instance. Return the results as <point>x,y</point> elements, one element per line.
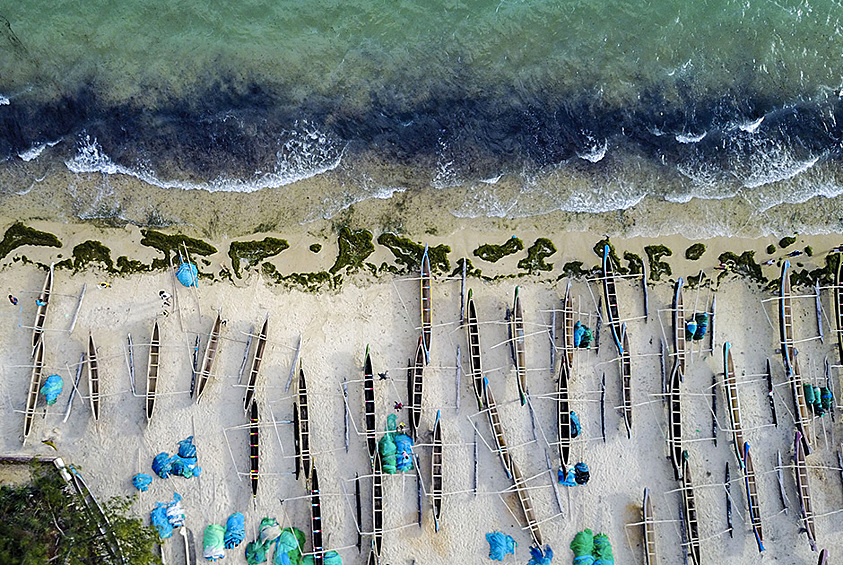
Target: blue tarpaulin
<point>576,427</point>
<point>235,530</point>
<point>187,274</point>
<point>52,388</point>
<point>141,481</point>
<point>186,448</point>
<point>500,545</point>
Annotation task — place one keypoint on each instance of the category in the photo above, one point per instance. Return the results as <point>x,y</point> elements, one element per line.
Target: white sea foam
<point>35,151</point>
<point>492,180</point>
<point>4,101</point>
<point>304,153</point>
<point>775,166</point>
<point>751,127</point>
<point>595,151</point>
<point>690,137</point>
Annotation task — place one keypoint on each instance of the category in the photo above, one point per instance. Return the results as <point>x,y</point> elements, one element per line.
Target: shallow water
<point>495,109</point>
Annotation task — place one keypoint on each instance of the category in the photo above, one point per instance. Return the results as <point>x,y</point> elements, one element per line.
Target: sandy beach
<point>382,311</point>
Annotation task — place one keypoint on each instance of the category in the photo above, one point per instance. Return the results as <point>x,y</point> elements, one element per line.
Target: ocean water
<point>712,117</point>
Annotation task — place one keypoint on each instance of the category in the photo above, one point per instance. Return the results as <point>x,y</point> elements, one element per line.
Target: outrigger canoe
<point>564,415</point>
<point>786,319</point>
<point>436,469</point>
<point>679,326</point>
<point>369,406</point>
<point>675,425</point>
<point>689,503</point>
<point>93,378</point>
<point>526,505</point>
<point>474,350</point>
<point>731,386</point>
<point>316,519</point>
<point>611,294</point>
<point>211,350</point>
<point>34,388</point>
<point>626,378</point>
<point>426,306</point>
<point>806,508</point>
<point>303,427</point>
<point>257,360</point>
<point>377,507</point>
<point>518,346</point>
<point>41,310</point>
<point>152,371</point>
<point>568,327</point>
<point>650,556</point>
<point>497,429</point>
<point>254,448</point>
<point>752,497</point>
<point>416,388</point>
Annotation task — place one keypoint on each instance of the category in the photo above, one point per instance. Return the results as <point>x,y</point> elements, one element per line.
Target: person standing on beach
<point>13,300</point>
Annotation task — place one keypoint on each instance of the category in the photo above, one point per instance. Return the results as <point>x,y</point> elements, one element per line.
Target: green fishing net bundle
<point>387,447</point>
<point>289,543</point>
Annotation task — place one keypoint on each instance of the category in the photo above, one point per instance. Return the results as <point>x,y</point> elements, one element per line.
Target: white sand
<point>384,313</point>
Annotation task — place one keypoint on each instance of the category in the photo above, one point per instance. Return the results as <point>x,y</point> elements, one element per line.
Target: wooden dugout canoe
<point>806,508</point>
<point>611,294</point>
<point>689,503</point>
<point>93,378</point>
<point>752,497</point>
<point>377,507</point>
<point>257,360</point>
<point>436,469</point>
<point>675,422</point>
<point>803,413</point>
<point>568,327</point>
<point>838,304</point>
<point>474,350</point>
<point>731,386</point>
<point>679,325</point>
<point>519,346</point>
<point>626,378</point>
<point>786,319</point>
<point>303,427</point>
<point>41,309</point>
<point>316,519</point>
<point>254,448</point>
<point>526,505</point>
<point>211,350</point>
<point>650,556</point>
<point>426,305</point>
<point>497,429</point>
<point>415,387</point>
<point>563,410</point>
<point>152,370</point>
<point>369,406</point>
<point>34,388</point>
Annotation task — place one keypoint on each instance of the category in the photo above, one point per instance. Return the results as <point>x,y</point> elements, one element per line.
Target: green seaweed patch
<point>88,252</point>
<point>657,266</point>
<point>494,253</point>
<point>771,249</point>
<point>825,275</point>
<point>694,281</point>
<point>126,266</point>
<point>409,253</point>
<point>470,270</point>
<point>311,282</point>
<point>786,242</point>
<point>354,247</point>
<point>535,262</point>
<point>315,247</point>
<point>573,269</point>
<point>253,252</point>
<point>613,256</point>
<point>635,265</point>
<point>809,251</point>
<point>19,235</point>
<point>695,251</point>
<point>167,244</point>
<point>743,264</point>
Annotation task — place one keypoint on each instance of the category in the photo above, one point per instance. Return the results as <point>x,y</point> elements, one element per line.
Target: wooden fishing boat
<point>838,304</point>
<point>257,360</point>
<point>426,305</point>
<point>377,506</point>
<point>803,413</point>
<point>518,345</point>
<point>568,326</point>
<point>823,558</point>
<point>369,406</point>
<point>415,386</point>
<point>611,294</point>
<point>316,519</point>
<point>675,426</point>
<point>563,410</point>
<point>152,371</point>
<point>41,310</point>
<point>303,438</point>
<point>731,386</point>
<point>818,303</point>
<point>786,319</point>
<point>752,497</point>
<point>436,469</point>
<point>650,557</point>
<point>254,448</point>
<point>626,378</point>
<point>93,377</point>
<point>770,397</point>
<point>211,350</point>
<point>98,516</point>
<point>679,326</point>
<point>497,429</point>
<point>474,350</point>
<point>34,388</point>
<point>711,322</point>
<point>805,506</point>
<point>526,505</point>
<point>689,505</point>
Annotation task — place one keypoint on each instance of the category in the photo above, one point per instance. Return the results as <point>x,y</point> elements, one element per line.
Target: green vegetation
<point>128,266</point>
<point>494,253</point>
<point>88,252</point>
<point>613,256</point>
<point>315,247</point>
<point>771,249</point>
<point>409,253</point>
<point>42,522</point>
<point>809,251</point>
<point>573,269</point>
<point>470,270</point>
<point>355,246</point>
<point>786,242</point>
<point>167,244</point>
<point>541,249</point>
<point>311,282</point>
<point>18,235</point>
<point>657,266</point>
<point>253,252</point>
<point>743,265</point>
<point>634,262</point>
<point>695,251</point>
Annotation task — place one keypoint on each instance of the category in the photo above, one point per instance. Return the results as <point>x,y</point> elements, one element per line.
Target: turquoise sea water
<point>524,107</point>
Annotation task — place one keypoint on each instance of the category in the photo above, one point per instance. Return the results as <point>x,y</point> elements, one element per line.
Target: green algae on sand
<point>535,262</point>
<point>253,252</point>
<point>657,266</point>
<point>19,235</point>
<point>695,251</point>
<point>86,253</point>
<point>494,253</point>
<point>409,253</point>
<point>167,244</point>
<point>354,247</point>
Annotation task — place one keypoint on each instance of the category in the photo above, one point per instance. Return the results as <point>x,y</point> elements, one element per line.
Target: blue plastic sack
<point>141,481</point>
<point>235,530</point>
<point>500,545</point>
<point>186,448</point>
<point>403,452</point>
<point>566,477</point>
<point>162,465</point>
<point>576,427</point>
<point>187,274</point>
<point>51,389</point>
<point>536,557</point>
